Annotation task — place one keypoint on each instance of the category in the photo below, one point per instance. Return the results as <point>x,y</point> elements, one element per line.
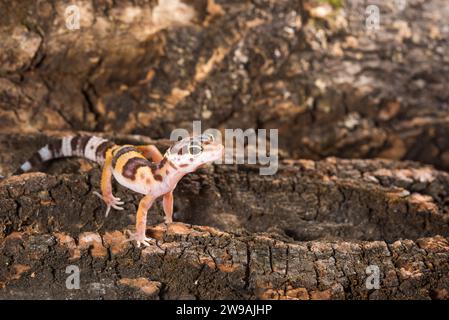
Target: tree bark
<point>315,74</point>
<point>219,265</point>
<point>301,233</point>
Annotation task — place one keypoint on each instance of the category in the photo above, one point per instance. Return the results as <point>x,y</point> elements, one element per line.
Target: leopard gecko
<point>142,169</point>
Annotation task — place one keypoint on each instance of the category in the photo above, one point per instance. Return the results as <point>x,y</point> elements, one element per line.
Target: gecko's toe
<point>140,239</point>
<point>98,195</point>
<point>116,200</point>
<point>145,243</point>
<point>111,202</point>
<point>108,209</point>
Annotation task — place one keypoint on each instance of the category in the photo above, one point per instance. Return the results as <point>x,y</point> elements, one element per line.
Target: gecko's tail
<point>89,147</point>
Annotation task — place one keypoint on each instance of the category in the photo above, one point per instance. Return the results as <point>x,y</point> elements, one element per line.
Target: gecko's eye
<point>195,148</point>
<point>206,138</point>
<point>210,137</point>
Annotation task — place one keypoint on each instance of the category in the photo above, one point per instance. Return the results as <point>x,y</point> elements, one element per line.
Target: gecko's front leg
<point>150,151</point>
<point>106,186</point>
<point>141,222</point>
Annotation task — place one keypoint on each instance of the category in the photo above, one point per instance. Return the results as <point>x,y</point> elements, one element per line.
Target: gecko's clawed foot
<point>111,202</point>
<point>140,238</point>
<point>168,220</point>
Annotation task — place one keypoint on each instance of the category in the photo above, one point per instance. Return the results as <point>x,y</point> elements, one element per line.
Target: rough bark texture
<point>310,220</point>
<point>316,75</point>
<point>140,69</point>
<point>214,264</point>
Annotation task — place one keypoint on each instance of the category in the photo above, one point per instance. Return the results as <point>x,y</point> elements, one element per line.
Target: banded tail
<point>89,147</point>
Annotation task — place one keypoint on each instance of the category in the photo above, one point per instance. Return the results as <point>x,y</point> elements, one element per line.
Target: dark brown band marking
<point>162,163</point>
<point>103,148</point>
<point>35,160</point>
<point>79,143</point>
<point>154,167</point>
<point>55,147</point>
<point>132,165</point>
<point>83,143</point>
<point>74,143</point>
<point>121,151</point>
<point>183,165</point>
<point>158,177</point>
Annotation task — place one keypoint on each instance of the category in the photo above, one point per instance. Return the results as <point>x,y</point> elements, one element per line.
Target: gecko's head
<point>192,152</point>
